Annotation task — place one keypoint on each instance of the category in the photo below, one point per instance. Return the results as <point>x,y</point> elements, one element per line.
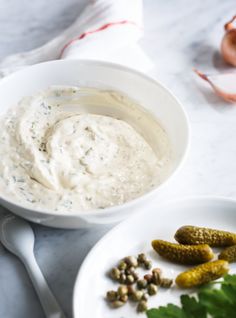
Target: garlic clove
<point>224,84</point>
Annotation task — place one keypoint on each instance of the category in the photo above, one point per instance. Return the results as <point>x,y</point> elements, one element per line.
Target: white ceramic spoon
<point>18,236</point>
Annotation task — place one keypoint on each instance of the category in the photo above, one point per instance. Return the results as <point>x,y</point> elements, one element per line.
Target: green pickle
<point>228,254</point>
<point>183,254</point>
<point>202,274</point>
<point>200,235</point>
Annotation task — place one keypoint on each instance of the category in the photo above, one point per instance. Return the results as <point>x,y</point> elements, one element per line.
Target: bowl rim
<point>113,209</point>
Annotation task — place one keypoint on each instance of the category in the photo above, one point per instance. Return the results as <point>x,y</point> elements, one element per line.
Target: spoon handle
<point>48,301</point>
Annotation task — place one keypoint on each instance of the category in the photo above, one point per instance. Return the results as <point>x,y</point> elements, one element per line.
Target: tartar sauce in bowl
<point>58,156</point>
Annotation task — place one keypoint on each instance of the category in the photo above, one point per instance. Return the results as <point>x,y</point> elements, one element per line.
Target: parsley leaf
<point>192,307</point>
<point>170,311</point>
<point>210,301</point>
<point>230,279</point>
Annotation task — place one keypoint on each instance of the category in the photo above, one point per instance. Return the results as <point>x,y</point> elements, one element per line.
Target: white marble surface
<point>179,35</point>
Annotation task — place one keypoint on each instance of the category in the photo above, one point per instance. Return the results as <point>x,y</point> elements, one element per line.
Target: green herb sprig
<point>209,301</point>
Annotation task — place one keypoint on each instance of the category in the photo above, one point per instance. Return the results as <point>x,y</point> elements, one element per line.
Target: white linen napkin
<point>106,30</point>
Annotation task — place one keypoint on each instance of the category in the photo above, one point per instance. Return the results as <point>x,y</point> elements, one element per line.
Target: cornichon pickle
<point>183,254</point>
<point>228,254</point>
<point>201,235</point>
<point>202,274</point>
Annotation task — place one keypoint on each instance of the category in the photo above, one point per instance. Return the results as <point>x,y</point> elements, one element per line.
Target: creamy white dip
<point>56,156</point>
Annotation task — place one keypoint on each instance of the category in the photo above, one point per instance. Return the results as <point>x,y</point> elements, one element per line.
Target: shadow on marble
<point>213,101</point>
<point>219,63</point>
<point>205,56</point>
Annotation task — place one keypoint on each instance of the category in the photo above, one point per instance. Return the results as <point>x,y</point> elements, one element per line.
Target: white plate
<point>134,236</point>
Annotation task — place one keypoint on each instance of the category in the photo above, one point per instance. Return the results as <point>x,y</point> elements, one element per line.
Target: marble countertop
<point>178,37</point>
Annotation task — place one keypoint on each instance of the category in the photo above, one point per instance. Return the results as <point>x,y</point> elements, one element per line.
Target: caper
<point>130,270</point>
<point>122,290</point>
<point>131,261</point>
<point>135,276</point>
<point>137,295</point>
<point>142,258</point>
<point>131,290</point>
<point>117,303</point>
<point>152,289</point>
<point>148,264</point>
<point>122,279</point>
<point>129,279</point>
<point>156,276</point>
<point>145,297</point>
<point>166,282</point>
<point>156,280</point>
<point>111,295</point>
<point>142,306</point>
<point>115,273</point>
<point>157,270</point>
<point>124,298</point>
<point>148,278</point>
<point>142,283</point>
<point>122,265</point>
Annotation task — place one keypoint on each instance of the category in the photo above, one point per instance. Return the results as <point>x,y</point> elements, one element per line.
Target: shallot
<point>228,44</point>
<point>223,84</point>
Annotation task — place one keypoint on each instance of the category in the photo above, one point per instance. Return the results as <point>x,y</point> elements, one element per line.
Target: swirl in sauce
<point>56,156</point>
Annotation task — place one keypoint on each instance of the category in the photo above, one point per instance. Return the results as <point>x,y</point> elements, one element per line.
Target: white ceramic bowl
<point>149,93</point>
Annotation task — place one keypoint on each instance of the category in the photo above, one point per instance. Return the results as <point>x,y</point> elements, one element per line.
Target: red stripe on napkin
<point>103,27</point>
